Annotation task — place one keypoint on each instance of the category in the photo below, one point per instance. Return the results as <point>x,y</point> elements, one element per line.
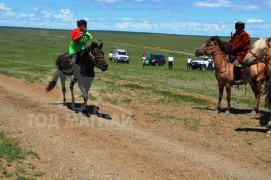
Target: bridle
<point>262,58</point>
<point>211,48</point>
<point>92,57</point>
<point>205,49</point>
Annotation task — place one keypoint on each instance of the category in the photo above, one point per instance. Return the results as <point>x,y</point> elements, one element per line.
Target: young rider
<point>79,37</point>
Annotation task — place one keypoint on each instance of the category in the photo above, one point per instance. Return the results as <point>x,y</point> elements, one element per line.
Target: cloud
<point>268,2</point>
<point>123,25</point>
<point>255,20</point>
<point>135,25</point>
<point>214,4</point>
<point>108,1</point>
<point>127,19</point>
<point>6,11</point>
<point>225,4</point>
<point>64,15</point>
<point>4,8</point>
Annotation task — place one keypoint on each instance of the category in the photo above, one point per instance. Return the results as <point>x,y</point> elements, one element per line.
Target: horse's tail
<point>52,84</point>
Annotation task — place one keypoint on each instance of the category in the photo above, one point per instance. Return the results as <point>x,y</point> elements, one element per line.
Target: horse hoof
<point>253,113</point>
<point>216,111</point>
<point>227,112</point>
<point>268,134</point>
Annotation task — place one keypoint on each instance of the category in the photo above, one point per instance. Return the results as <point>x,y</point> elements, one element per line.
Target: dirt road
<point>115,144</point>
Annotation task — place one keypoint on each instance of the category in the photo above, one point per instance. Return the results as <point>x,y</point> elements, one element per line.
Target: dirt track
<point>74,146</point>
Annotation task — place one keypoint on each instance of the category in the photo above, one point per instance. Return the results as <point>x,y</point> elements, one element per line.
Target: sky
<point>194,17</point>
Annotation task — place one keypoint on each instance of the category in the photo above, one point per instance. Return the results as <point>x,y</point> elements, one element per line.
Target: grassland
<point>30,54</point>
<point>15,162</point>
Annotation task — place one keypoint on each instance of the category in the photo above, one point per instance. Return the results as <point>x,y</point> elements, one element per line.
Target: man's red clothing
<point>240,45</point>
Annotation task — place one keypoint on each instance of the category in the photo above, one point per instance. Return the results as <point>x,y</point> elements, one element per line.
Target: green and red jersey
<point>79,41</point>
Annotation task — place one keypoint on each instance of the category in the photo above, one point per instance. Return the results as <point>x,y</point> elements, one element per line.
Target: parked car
<point>157,59</point>
<point>204,63</point>
<point>120,55</point>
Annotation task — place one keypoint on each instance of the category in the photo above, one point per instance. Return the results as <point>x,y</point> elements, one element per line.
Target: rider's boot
<point>242,76</point>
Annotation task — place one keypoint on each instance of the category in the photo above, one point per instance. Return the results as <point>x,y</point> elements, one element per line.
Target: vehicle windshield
<point>122,53</point>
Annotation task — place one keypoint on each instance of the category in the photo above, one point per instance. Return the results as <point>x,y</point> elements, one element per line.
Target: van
<point>120,55</point>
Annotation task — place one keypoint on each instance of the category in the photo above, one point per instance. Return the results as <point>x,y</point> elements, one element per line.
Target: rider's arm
<point>75,34</point>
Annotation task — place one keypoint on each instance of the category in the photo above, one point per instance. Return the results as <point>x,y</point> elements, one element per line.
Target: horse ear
<point>101,45</point>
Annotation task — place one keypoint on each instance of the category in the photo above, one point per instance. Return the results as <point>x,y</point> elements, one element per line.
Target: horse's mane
<point>91,47</point>
<point>222,44</point>
<point>260,43</point>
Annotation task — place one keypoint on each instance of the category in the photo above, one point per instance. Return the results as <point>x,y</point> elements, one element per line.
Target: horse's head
<point>208,48</point>
<point>260,52</point>
<point>97,55</point>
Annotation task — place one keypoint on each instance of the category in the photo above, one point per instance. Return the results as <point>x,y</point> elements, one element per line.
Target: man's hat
<point>240,22</point>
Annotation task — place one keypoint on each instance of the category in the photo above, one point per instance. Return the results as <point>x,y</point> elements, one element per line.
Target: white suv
<point>120,55</point>
<point>205,62</point>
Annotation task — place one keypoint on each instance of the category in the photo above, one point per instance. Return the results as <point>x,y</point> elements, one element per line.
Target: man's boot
<point>242,76</point>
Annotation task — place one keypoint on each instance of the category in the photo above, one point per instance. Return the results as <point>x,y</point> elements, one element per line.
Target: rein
<point>263,58</point>
<point>92,57</point>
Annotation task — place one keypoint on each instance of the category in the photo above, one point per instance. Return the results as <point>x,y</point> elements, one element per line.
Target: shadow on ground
<point>91,110</point>
<point>262,116</point>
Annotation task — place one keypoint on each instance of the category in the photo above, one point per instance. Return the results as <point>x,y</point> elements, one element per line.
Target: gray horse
<point>83,72</point>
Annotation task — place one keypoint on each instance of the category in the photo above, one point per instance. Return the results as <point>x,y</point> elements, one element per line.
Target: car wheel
<point>203,67</point>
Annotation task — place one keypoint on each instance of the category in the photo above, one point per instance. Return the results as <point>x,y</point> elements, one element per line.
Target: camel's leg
<point>221,89</point>
<point>228,90</point>
<point>72,95</point>
<point>62,80</point>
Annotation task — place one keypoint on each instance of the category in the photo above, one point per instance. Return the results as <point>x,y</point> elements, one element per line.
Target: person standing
<point>110,55</point>
<point>188,63</point>
<point>170,61</point>
<point>143,60</point>
<point>148,58</point>
<point>239,46</point>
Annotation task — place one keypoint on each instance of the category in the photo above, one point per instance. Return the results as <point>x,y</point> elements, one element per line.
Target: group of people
<point>239,46</point>
<point>145,59</point>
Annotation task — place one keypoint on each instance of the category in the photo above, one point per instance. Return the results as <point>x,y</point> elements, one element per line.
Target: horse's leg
<point>84,85</point>
<point>62,80</point>
<point>221,89</point>
<point>256,87</point>
<point>72,95</point>
<point>228,90</point>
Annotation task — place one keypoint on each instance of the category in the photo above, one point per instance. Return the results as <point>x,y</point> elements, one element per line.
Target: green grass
<point>9,148</point>
<point>12,163</point>
<point>31,53</point>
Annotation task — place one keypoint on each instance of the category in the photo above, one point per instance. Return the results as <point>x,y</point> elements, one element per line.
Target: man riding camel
<point>79,37</point>
<point>239,46</point>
